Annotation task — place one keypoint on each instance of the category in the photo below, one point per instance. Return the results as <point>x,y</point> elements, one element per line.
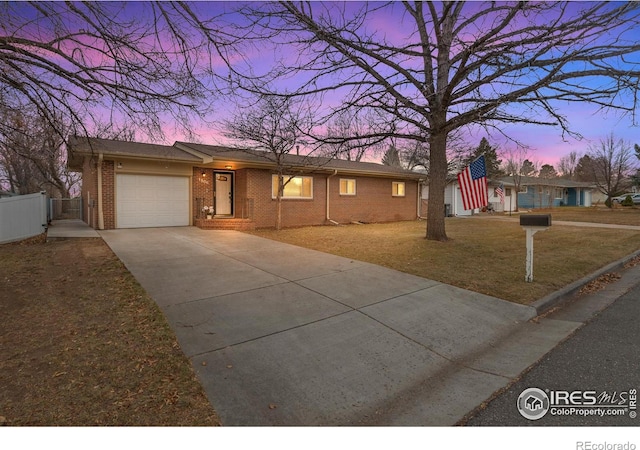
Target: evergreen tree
<point>528,169</point>
<point>490,158</point>
<point>548,171</point>
<point>584,169</point>
<point>636,178</point>
<point>391,157</point>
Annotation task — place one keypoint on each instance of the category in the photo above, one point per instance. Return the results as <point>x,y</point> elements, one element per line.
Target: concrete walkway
<point>281,335</point>
<point>70,229</point>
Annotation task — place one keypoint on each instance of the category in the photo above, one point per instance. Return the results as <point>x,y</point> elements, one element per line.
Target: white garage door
<point>151,201</point>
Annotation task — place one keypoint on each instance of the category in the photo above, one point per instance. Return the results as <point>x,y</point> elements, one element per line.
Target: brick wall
<point>243,207</point>
<point>108,195</point>
<point>90,191</point>
<point>373,201</point>
<point>202,191</point>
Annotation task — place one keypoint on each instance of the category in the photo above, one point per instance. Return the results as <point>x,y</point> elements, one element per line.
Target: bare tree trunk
<point>437,183</point>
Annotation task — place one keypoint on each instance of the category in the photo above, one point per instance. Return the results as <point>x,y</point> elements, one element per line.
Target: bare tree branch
<point>145,62</point>
<point>451,65</point>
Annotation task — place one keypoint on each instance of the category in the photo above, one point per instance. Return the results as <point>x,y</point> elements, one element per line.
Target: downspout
<point>419,200</point>
<point>335,172</point>
<point>421,185</point>
<point>100,212</point>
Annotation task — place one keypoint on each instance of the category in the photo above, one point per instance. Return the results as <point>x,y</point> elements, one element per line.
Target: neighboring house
<point>453,198</point>
<point>132,185</point>
<point>534,193</point>
<point>552,192</point>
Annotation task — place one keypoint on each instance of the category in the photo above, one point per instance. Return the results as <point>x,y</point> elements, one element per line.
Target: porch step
<point>225,224</point>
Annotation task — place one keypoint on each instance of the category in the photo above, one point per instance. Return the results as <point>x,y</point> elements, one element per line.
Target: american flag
<point>473,184</point>
<point>500,192</point>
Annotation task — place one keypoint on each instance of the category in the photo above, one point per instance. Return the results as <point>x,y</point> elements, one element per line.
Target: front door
<point>224,194</point>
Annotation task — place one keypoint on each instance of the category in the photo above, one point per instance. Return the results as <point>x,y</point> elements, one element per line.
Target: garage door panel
<point>151,201</point>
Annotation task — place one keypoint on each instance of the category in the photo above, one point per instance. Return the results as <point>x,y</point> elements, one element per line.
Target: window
<point>347,187</point>
<point>295,187</point>
<point>524,189</point>
<point>507,192</point>
<point>397,188</point>
<point>559,193</point>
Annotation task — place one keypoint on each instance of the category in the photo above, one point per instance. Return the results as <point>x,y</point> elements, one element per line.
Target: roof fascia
<point>185,147</point>
<point>309,168</point>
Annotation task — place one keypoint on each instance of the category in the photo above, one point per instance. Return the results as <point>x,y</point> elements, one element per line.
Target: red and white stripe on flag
<point>473,184</point>
<point>500,192</point>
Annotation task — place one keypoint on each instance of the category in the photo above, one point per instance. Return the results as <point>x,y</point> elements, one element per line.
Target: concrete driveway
<point>281,335</point>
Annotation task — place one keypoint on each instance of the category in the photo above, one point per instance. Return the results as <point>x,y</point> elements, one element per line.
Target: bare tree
<point>33,155</point>
<point>450,65</point>
<point>568,164</point>
<point>612,164</point>
<point>346,136</point>
<point>272,128</point>
<point>514,161</point>
<point>139,63</point>
<point>414,154</point>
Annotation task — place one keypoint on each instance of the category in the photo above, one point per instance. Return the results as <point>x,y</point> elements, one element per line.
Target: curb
<point>563,295</point>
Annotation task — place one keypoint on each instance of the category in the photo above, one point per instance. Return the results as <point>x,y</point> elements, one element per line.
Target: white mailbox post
<point>532,223</point>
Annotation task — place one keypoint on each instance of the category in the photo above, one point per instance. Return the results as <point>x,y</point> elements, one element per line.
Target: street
<point>591,379</point>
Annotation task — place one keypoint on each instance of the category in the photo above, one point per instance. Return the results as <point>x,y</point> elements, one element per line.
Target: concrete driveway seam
<point>329,340</point>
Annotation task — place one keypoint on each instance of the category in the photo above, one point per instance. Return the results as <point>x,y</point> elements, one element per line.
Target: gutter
<point>100,211</point>
<point>335,172</point>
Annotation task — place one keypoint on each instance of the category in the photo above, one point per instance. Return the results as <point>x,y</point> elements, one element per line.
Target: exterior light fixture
<point>119,165</point>
<point>228,166</point>
<point>203,173</point>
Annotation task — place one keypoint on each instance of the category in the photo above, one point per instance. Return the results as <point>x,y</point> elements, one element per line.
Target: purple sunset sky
<point>546,144</point>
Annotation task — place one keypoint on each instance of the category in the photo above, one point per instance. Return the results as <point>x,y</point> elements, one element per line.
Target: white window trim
<point>348,194</point>
<point>404,190</point>
<point>274,195</point>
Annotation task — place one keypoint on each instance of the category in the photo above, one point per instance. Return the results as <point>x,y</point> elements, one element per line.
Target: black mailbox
<point>536,220</point>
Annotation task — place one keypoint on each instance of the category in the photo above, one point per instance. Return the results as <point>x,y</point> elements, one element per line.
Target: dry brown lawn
<point>486,256</point>
<point>81,343</point>
<point>618,215</point>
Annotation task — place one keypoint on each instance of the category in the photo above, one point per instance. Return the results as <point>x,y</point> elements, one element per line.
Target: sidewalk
<point>73,228</point>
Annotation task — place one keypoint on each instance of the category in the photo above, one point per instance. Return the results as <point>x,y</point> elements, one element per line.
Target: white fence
<point>22,216</point>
